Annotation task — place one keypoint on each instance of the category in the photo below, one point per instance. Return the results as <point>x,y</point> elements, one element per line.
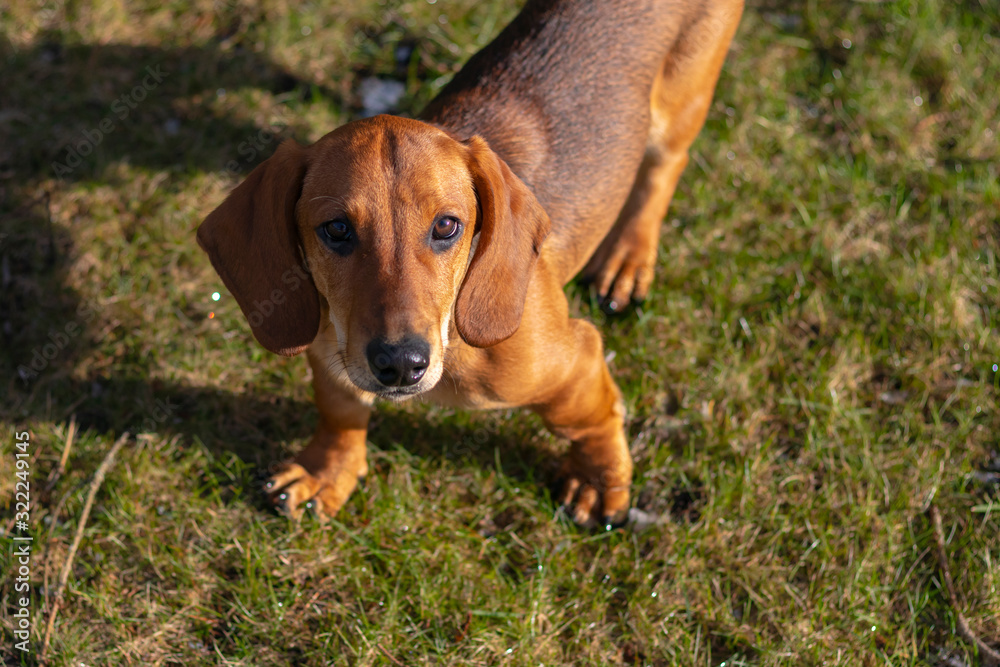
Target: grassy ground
<point>815,366</point>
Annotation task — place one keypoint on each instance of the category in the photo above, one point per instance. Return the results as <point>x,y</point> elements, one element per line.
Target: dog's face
<point>386,220</point>
<point>383,211</point>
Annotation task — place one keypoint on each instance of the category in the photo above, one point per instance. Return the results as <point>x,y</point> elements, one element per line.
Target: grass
<point>814,367</point>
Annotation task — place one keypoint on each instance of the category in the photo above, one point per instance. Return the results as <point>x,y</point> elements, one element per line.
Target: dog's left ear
<point>512,225</point>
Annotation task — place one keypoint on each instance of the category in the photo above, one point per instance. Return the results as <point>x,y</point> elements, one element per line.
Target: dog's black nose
<point>399,364</point>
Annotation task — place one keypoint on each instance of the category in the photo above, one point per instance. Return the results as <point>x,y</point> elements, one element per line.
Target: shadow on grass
<point>70,112</point>
<point>264,430</point>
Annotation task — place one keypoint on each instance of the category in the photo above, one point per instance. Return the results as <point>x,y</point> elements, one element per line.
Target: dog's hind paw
<point>622,267</point>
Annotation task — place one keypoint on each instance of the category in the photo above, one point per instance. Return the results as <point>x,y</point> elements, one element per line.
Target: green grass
<point>813,368</point>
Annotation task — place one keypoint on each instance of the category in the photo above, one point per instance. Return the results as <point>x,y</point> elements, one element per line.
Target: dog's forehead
<point>386,149</point>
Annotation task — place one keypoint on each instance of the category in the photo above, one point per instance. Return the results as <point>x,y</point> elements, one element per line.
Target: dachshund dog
<point>428,257</point>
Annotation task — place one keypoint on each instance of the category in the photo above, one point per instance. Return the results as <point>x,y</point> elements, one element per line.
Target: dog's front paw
<point>595,496</point>
<point>294,490</point>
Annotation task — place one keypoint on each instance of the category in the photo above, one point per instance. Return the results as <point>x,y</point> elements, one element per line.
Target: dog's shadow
<point>72,112</point>
<point>264,430</point>
<point>75,113</point>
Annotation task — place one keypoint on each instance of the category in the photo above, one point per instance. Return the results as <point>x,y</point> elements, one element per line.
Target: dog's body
<point>561,142</point>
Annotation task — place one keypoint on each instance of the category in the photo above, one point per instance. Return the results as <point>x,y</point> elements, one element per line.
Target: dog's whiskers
<point>336,366</point>
<point>451,376</point>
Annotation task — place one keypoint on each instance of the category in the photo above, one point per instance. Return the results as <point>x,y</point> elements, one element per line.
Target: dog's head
<point>382,212</point>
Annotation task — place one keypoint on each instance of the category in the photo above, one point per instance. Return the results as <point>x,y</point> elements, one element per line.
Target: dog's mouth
<point>399,393</point>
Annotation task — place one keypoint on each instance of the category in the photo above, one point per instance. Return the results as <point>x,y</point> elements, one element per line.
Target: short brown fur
<point>560,144</point>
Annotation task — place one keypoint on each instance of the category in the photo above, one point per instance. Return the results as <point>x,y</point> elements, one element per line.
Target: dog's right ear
<point>253,243</point>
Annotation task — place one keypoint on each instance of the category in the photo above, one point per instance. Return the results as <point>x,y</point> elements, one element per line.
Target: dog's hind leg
<point>622,266</point>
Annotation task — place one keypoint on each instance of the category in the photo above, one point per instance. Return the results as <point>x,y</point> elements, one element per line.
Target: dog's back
<point>563,95</point>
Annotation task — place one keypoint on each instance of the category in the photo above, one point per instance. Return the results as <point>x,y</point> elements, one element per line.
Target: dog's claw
<point>621,269</point>
<point>322,493</point>
<point>595,498</point>
<point>569,488</point>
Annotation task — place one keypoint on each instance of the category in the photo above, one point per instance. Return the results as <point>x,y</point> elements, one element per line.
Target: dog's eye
<point>337,231</point>
<point>445,228</point>
<point>337,235</point>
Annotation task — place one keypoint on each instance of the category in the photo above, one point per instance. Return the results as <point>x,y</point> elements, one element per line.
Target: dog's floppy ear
<point>253,243</point>
<point>512,225</point>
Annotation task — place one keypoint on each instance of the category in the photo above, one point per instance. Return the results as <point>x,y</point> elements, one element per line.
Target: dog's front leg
<point>587,409</point>
<point>325,473</point>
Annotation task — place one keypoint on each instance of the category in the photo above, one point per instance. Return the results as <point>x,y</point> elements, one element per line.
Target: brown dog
<point>437,249</point>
